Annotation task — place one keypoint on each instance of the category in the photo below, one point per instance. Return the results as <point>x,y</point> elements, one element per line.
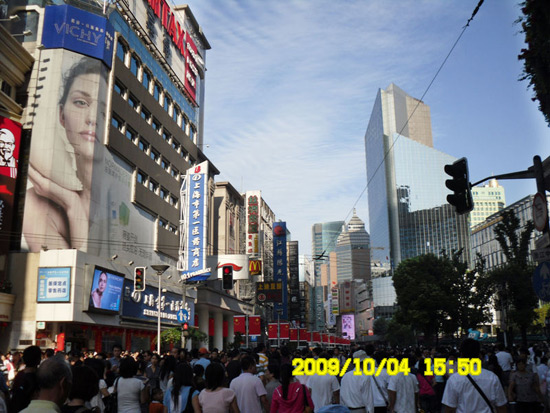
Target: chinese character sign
<point>280,272</point>
<point>54,285</point>
<point>193,224</point>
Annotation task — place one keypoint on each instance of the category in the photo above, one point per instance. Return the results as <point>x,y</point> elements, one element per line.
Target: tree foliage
<point>439,294</point>
<point>398,334</point>
<point>513,280</point>
<point>380,327</point>
<point>535,23</point>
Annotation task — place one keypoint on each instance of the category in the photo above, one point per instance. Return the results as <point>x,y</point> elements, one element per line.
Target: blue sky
<point>290,86</point>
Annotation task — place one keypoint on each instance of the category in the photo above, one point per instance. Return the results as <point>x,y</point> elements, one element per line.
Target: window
<point>174,144</point>
<point>165,135</point>
<point>120,50</point>
<point>142,178</point>
<point>134,65</point>
<point>116,122</point>
<point>156,92</point>
<point>131,134</point>
<point>119,88</point>
<point>184,123</point>
<point>155,156</point>
<point>175,173</point>
<point>156,125</point>
<point>163,193</point>
<point>175,114</point>
<point>165,165</point>
<point>166,102</point>
<point>173,201</point>
<point>162,223</point>
<point>133,102</point>
<point>172,228</point>
<point>153,186</point>
<point>145,114</point>
<point>144,146</point>
<point>146,79</point>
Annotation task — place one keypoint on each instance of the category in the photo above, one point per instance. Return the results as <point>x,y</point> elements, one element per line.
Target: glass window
<point>131,134</point>
<point>154,155</point>
<point>166,102</point>
<point>156,92</point>
<point>175,114</point>
<point>165,165</point>
<point>141,178</point>
<point>174,144</point>
<point>165,135</point>
<point>172,228</point>
<point>184,123</point>
<point>144,146</point>
<point>163,193</point>
<point>134,65</point>
<point>133,102</point>
<point>156,125</point>
<point>146,79</point>
<point>116,122</point>
<point>153,186</point>
<point>120,50</point>
<point>162,223</point>
<point>119,88</point>
<point>173,201</point>
<point>145,114</point>
<point>175,173</point>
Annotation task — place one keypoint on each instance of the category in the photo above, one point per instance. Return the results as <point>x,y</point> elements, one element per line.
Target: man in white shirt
<point>251,393</point>
<point>461,396</point>
<point>403,393</point>
<point>505,361</point>
<point>324,389</point>
<point>380,385</point>
<point>356,390</point>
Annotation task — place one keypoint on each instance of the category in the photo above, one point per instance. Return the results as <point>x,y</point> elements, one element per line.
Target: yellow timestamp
<point>367,367</point>
<point>462,366</point>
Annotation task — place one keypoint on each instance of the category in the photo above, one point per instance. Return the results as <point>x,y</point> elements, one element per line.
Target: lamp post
<point>160,269</point>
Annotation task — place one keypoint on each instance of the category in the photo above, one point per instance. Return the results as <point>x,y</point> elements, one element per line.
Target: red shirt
<point>294,402</point>
<point>156,407</point>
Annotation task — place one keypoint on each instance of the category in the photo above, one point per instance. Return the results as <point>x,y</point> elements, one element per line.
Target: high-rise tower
<point>408,211</point>
<point>353,251</point>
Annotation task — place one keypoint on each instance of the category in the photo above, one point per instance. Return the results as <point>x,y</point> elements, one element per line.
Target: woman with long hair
<point>290,396</point>
<point>181,392</point>
<point>215,398</point>
<point>167,367</point>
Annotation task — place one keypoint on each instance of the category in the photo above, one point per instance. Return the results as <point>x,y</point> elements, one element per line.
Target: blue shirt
<point>184,393</point>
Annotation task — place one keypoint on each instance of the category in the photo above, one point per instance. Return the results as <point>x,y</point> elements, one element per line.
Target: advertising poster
<point>348,326</point>
<point>106,293</point>
<point>239,263</point>
<point>253,219</point>
<point>193,228</point>
<point>280,272</point>
<point>294,282</point>
<point>54,285</point>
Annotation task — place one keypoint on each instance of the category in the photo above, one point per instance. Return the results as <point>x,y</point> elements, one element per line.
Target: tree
<point>422,289</point>
<point>380,327</point>
<point>399,334</point>
<point>536,58</point>
<point>513,280</point>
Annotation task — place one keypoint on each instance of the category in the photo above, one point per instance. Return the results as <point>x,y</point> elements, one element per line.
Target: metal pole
<point>278,329</point>
<point>184,301</point>
<point>158,313</point>
<point>246,325</point>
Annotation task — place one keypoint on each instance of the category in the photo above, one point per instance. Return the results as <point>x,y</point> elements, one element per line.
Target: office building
<point>408,211</point>
<point>488,200</point>
<point>353,251</point>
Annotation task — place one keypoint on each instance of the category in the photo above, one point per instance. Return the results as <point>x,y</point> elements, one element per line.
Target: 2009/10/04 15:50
<point>393,366</point>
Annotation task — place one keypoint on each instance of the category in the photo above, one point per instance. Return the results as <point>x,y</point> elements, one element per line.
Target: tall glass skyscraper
<point>324,236</point>
<point>353,252</point>
<point>408,211</point>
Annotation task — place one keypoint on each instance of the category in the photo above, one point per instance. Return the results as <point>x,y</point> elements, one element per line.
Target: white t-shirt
<point>462,395</point>
<point>505,360</point>
<point>356,391</point>
<point>248,389</point>
<point>383,381</point>
<point>129,392</point>
<point>322,388</point>
<point>405,388</point>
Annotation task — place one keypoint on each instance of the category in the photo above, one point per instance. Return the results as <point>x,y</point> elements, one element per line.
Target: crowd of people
<point>262,380</point>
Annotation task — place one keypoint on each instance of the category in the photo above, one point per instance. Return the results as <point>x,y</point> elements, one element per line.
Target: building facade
<point>408,211</point>
<point>353,251</point>
<point>488,200</point>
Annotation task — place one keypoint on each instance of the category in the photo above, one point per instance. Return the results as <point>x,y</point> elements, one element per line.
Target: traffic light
<point>227,277</point>
<point>139,279</point>
<point>185,329</point>
<point>461,198</point>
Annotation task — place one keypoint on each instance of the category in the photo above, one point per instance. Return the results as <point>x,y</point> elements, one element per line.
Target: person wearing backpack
<point>180,394</point>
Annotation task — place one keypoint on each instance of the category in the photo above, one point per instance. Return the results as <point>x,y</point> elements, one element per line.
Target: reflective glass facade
<point>408,211</point>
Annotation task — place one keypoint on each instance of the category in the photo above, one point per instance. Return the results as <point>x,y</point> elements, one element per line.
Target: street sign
<point>540,211</point>
<point>541,255</point>
<point>183,316</point>
<point>541,281</point>
<point>543,241</point>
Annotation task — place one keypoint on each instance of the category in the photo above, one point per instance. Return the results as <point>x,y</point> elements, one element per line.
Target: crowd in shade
<point>360,379</point>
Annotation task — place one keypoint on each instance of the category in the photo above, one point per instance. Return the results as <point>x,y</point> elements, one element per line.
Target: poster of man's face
<point>10,136</point>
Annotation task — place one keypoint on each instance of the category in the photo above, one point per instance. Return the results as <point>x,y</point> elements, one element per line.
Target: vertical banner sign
<point>254,325</point>
<point>285,331</point>
<point>280,268</point>
<point>239,324</point>
<point>335,301</point>
<point>272,331</point>
<point>253,222</point>
<point>193,224</point>
<point>294,283</point>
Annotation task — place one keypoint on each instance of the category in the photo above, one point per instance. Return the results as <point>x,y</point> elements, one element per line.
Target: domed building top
<point>355,223</point>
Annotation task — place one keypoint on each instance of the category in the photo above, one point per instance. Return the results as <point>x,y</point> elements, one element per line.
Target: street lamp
<point>160,269</point>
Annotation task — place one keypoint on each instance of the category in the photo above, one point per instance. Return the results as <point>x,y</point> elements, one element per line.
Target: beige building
<point>488,200</point>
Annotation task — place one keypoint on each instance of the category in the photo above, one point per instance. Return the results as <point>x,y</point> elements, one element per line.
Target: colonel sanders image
<point>7,147</point>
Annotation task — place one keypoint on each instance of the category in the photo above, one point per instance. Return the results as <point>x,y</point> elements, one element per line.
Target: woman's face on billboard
<point>82,114</point>
<point>102,283</point>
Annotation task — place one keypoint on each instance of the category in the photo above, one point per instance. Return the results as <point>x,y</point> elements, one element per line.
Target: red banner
<point>324,338</point>
<point>61,342</point>
<point>293,334</point>
<point>211,328</point>
<point>272,331</point>
<point>225,329</point>
<point>316,337</point>
<point>305,335</point>
<point>238,324</point>
<point>254,325</point>
<point>332,339</point>
<point>285,331</point>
